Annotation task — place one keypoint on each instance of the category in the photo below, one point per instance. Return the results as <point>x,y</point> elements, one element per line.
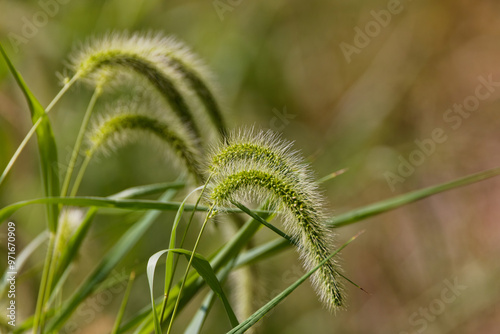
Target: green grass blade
<point>201,315</point>
<point>262,252</point>
<point>107,202</point>
<point>259,314</point>
<point>152,262</point>
<point>281,244</point>
<point>149,189</point>
<point>170,266</point>
<point>57,287</point>
<point>190,261</point>
<point>270,248</point>
<point>19,149</point>
<point>228,252</point>
<point>49,174</point>
<point>46,145</point>
<point>76,240</point>
<point>252,256</point>
<point>109,261</point>
<point>333,175</point>
<point>396,202</point>
<point>264,222</point>
<point>123,306</point>
<point>79,141</point>
<point>206,271</point>
<point>203,267</point>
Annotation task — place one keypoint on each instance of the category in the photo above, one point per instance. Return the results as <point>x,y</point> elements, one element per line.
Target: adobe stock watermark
<point>453,117</point>
<point>281,119</point>
<point>94,305</point>
<point>11,273</point>
<point>420,319</point>
<point>223,6</point>
<point>363,37</point>
<point>32,25</point>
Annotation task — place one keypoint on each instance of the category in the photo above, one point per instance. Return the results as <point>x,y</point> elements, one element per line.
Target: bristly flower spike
<point>196,74</point>
<point>165,63</point>
<point>125,125</point>
<point>260,166</point>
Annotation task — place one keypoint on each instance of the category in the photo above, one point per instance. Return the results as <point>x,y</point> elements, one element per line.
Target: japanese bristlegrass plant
<point>224,168</point>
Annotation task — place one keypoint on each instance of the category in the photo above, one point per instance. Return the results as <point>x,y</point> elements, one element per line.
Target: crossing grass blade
<point>108,202</point>
<point>344,219</point>
<point>46,145</point>
<point>264,222</point>
<point>201,315</point>
<point>149,189</point>
<point>354,216</point>
<point>222,257</point>
<point>123,306</point>
<point>266,250</point>
<point>259,314</point>
<point>170,265</point>
<point>252,256</point>
<point>107,264</point>
<point>76,240</point>
<point>204,269</point>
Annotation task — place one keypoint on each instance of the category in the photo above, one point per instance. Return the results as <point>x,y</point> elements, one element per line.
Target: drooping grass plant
<point>163,80</point>
<point>262,167</point>
<point>247,165</point>
<point>174,72</point>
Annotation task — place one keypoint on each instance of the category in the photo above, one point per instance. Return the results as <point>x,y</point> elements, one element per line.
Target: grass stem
<point>209,213</point>
<point>39,320</point>
<point>34,127</point>
<point>79,141</point>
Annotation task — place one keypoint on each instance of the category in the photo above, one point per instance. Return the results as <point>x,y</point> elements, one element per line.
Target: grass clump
<point>245,166</point>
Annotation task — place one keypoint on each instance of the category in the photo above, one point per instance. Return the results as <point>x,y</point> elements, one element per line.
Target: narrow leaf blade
<point>260,313</point>
<point>46,145</point>
<point>108,202</point>
<point>204,269</point>
<point>109,261</point>
<point>396,202</point>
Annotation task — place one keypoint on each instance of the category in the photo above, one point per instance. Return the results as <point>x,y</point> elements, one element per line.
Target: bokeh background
<point>362,112</point>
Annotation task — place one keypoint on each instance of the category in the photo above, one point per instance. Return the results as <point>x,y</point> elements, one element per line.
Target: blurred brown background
<point>283,65</point>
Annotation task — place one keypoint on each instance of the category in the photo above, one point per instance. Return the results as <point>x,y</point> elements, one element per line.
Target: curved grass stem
<point>34,127</point>
<point>39,318</point>
<point>79,176</point>
<point>209,213</point>
<point>169,285</point>
<point>79,141</point>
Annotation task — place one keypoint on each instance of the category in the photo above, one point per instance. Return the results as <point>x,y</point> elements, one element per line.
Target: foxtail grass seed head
<point>265,168</point>
<point>168,65</point>
<point>198,78</point>
<point>124,126</point>
<point>266,147</point>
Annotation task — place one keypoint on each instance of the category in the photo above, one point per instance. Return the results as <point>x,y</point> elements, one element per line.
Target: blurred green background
<point>280,65</point>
